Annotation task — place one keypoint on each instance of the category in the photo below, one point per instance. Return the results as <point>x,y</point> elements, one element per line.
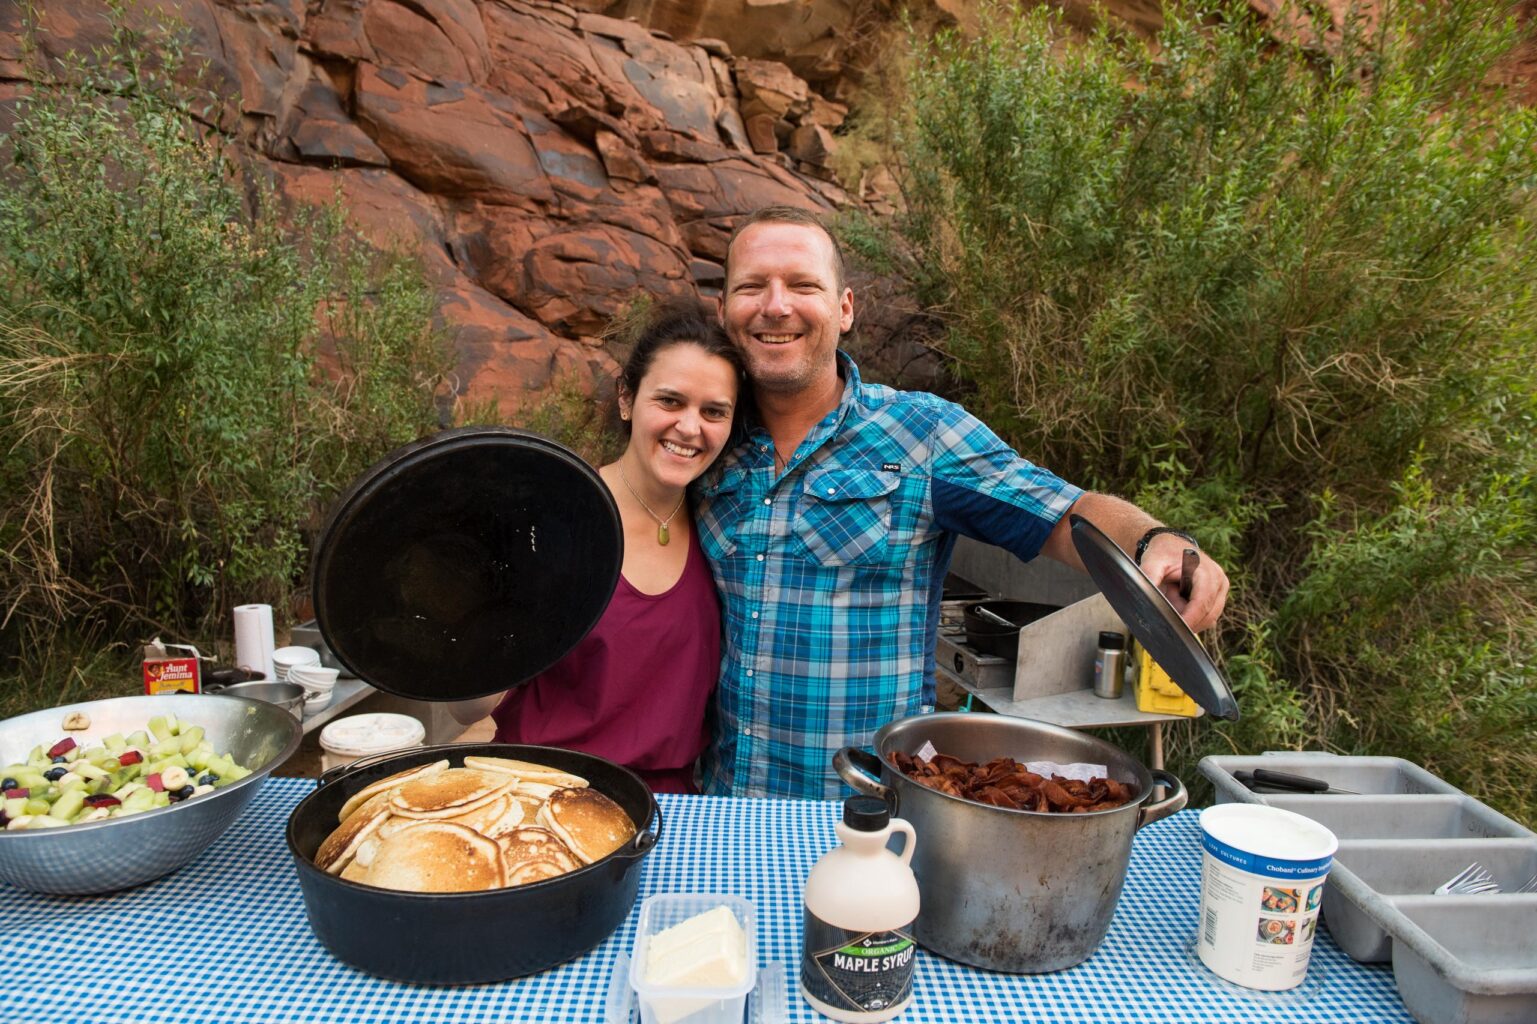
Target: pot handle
<point>993,617</point>
<point>644,841</point>
<point>1168,805</point>
<point>856,767</point>
<point>332,774</point>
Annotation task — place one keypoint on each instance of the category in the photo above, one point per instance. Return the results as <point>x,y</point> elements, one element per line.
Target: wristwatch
<point>1147,538</point>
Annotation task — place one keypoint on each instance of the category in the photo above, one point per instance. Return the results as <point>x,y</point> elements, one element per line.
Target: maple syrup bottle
<point>858,954</point>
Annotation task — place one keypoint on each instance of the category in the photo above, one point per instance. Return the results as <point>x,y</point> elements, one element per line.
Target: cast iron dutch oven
<point>477,937</point>
<point>456,567</point>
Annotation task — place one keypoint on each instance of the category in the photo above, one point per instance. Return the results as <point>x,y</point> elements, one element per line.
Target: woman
<point>635,690</point>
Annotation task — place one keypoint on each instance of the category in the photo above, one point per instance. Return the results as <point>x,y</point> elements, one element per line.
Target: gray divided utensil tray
<point>1457,959</point>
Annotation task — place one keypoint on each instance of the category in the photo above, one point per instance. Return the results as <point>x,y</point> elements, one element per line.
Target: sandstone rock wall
<point>545,161</point>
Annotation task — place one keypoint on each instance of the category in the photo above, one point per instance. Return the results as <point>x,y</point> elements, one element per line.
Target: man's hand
<point>1208,591</point>
<point>1125,524</point>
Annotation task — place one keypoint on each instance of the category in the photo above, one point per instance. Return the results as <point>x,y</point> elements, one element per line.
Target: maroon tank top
<point>636,688</point>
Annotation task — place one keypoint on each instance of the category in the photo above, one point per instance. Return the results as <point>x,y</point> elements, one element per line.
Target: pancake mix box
<point>168,670</point>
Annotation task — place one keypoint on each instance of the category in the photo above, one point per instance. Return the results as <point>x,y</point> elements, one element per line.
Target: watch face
<point>1147,538</point>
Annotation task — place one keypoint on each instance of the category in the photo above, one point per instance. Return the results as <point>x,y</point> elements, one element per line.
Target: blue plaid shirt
<point>831,574</point>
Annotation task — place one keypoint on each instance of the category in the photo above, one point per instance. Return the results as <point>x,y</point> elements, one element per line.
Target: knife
<point>1286,782</point>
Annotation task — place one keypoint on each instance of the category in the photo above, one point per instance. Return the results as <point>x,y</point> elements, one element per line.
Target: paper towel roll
<point>253,638</point>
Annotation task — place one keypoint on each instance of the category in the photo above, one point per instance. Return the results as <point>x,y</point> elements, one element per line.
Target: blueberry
<point>8,783</point>
<point>207,779</point>
<point>61,759</point>
<point>182,793</point>
<point>54,774</point>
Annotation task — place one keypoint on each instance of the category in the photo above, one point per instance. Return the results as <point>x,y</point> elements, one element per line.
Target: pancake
<point>536,871</point>
<point>591,824</point>
<point>530,805</point>
<point>394,823</point>
<point>514,813</point>
<point>355,872</point>
<point>532,854</point>
<point>484,818</point>
<point>342,844</point>
<point>449,793</point>
<point>531,842</point>
<point>437,856</point>
<point>368,792</point>
<point>538,792</point>
<point>527,771</point>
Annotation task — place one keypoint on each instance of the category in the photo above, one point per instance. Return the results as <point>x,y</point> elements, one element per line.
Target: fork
<point>1530,886</point>
<point>1471,880</point>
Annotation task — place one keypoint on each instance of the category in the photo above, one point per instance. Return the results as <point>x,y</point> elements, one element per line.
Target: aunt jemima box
<point>168,670</point>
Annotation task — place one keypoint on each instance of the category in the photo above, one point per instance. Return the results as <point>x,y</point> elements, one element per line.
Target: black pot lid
<point>466,563</point>
<point>1153,620</point>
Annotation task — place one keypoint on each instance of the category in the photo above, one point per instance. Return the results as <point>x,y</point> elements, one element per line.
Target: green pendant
<point>662,536</point>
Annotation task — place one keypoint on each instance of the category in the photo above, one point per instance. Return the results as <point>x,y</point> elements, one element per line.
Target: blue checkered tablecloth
<point>225,940</point>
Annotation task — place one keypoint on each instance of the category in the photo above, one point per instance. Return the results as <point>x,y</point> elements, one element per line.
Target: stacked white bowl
<point>285,658</point>
<point>318,685</point>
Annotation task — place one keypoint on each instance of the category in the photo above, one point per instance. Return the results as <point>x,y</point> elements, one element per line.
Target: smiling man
<point>830,528</point>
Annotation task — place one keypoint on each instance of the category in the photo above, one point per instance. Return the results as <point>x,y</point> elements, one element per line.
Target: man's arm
<point>1125,524</point>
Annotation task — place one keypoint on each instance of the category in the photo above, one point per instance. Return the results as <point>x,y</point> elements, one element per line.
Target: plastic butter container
<point>347,739</point>
<point>672,1004</point>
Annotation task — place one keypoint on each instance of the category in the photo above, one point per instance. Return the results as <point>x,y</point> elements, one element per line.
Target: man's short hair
<point>790,215</point>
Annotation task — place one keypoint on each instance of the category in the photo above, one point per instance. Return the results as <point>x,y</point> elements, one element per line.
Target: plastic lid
<point>866,813</point>
<point>1153,620</point>
<point>1112,640</point>
<point>359,735</point>
<point>464,564</point>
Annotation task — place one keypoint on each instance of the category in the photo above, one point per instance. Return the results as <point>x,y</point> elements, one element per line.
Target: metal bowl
<point>288,696</point>
<point>102,856</point>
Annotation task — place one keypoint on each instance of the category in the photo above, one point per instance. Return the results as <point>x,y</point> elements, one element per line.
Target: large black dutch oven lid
<point>465,563</point>
<point>1153,620</point>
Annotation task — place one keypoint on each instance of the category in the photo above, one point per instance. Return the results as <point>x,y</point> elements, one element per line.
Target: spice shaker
<point>1110,665</point>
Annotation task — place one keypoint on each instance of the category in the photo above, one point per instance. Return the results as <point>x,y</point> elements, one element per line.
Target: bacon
<point>1004,782</point>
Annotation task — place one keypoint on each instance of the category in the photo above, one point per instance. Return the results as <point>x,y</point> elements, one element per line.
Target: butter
<point>708,950</point>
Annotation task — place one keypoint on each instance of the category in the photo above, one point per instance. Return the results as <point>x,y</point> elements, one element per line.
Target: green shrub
<point>1284,296</point>
<point>183,385</point>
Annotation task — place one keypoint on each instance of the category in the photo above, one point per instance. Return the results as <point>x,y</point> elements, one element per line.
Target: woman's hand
<point>468,712</point>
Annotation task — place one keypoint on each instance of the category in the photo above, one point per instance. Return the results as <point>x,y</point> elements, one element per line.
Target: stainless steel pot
<point>288,696</point>
<point>1014,891</point>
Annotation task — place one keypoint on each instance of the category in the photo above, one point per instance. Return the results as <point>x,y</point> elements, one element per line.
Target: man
<point>830,529</point>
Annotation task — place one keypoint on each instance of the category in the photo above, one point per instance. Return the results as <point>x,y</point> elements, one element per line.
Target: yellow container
<point>1157,693</point>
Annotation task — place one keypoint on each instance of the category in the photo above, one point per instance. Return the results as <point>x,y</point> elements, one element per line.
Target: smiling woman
<point>636,688</point>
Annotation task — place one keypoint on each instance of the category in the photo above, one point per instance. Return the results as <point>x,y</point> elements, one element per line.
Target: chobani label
<point>858,971</point>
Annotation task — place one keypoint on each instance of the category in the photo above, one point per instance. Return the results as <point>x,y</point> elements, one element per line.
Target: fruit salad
<point>67,784</point>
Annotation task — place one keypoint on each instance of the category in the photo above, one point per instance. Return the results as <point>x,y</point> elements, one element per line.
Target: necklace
<point>662,533</point>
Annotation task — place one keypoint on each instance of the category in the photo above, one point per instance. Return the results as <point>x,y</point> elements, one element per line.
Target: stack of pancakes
<point>494,822</point>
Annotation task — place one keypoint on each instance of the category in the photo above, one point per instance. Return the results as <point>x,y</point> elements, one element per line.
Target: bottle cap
<point>1113,640</point>
<point>866,813</point>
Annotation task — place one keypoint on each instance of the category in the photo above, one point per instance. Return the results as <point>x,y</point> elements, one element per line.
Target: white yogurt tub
<point>347,739</point>
<point>1262,880</point>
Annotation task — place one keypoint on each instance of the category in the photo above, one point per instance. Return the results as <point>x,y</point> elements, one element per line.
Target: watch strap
<point>1147,538</point>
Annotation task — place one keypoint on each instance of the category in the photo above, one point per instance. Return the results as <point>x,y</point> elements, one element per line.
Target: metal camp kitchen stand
<point>1050,679</point>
